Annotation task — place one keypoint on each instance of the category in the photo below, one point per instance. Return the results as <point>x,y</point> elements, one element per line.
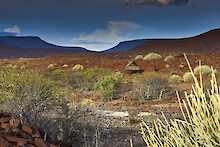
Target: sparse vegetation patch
<point>199,126</point>
<point>149,89</point>
<point>203,69</point>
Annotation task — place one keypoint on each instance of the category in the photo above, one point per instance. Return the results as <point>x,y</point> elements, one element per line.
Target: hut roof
<point>132,66</point>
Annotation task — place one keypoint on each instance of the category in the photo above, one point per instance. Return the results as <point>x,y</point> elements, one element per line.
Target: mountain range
<point>204,43</point>
<point>31,46</point>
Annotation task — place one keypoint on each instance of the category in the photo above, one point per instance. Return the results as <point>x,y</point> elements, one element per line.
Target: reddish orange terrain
<point>117,62</point>
<point>14,132</point>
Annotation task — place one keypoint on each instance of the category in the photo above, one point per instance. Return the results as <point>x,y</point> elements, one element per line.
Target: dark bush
<point>152,89</point>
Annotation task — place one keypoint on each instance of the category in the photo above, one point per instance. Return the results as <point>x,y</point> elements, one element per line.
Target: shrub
<point>139,57</point>
<point>169,58</point>
<point>199,126</point>
<point>188,77</point>
<point>57,75</point>
<point>51,66</point>
<point>87,103</point>
<point>78,67</point>
<point>108,85</point>
<point>153,56</point>
<point>203,69</point>
<point>86,79</point>
<point>155,88</point>
<point>175,79</point>
<point>8,80</point>
<point>30,95</point>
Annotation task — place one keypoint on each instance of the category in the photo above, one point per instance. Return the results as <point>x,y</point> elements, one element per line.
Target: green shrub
<point>203,69</point>
<point>175,79</point>
<point>108,85</point>
<point>149,89</point>
<point>85,79</point>
<point>57,74</point>
<point>139,57</point>
<point>199,126</point>
<point>153,56</point>
<point>29,95</point>
<point>9,77</point>
<point>188,77</point>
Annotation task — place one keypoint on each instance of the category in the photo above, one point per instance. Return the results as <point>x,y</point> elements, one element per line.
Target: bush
<point>8,82</point>
<point>78,67</point>
<point>139,57</point>
<point>57,74</point>
<point>153,56</point>
<point>175,79</point>
<point>203,69</point>
<point>51,66</point>
<point>29,95</point>
<point>199,126</point>
<point>108,85</point>
<point>152,89</point>
<point>188,77</point>
<point>169,58</point>
<point>85,79</point>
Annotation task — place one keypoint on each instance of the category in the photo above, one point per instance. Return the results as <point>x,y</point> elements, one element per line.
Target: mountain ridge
<point>205,42</point>
<point>32,46</point>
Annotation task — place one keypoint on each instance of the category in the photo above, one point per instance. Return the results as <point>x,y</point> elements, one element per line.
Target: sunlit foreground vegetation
<point>200,125</point>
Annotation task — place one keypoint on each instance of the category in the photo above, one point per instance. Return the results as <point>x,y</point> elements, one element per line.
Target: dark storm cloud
<point>157,2</point>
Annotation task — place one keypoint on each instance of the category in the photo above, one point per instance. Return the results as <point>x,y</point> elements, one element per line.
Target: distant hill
<point>205,43</point>
<point>126,45</point>
<point>13,46</point>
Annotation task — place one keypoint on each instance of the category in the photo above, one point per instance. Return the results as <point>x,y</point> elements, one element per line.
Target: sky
<point>102,24</point>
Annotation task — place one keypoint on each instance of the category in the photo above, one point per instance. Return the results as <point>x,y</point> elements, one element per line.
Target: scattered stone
<point>144,114</point>
<point>113,113</point>
<point>13,133</point>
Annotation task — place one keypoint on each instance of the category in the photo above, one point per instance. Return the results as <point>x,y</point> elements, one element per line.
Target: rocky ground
<point>14,133</point>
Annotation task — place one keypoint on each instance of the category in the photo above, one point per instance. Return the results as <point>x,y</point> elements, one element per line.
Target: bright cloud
<point>100,39</point>
<point>13,29</point>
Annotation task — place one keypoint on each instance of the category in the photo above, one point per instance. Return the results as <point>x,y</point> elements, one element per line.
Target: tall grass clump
<point>203,69</point>
<point>153,56</point>
<point>200,125</point>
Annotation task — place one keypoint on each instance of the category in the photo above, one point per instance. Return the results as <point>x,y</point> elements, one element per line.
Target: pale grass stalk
<point>201,119</point>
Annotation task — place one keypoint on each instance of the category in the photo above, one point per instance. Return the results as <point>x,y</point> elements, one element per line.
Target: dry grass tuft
<point>200,125</point>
